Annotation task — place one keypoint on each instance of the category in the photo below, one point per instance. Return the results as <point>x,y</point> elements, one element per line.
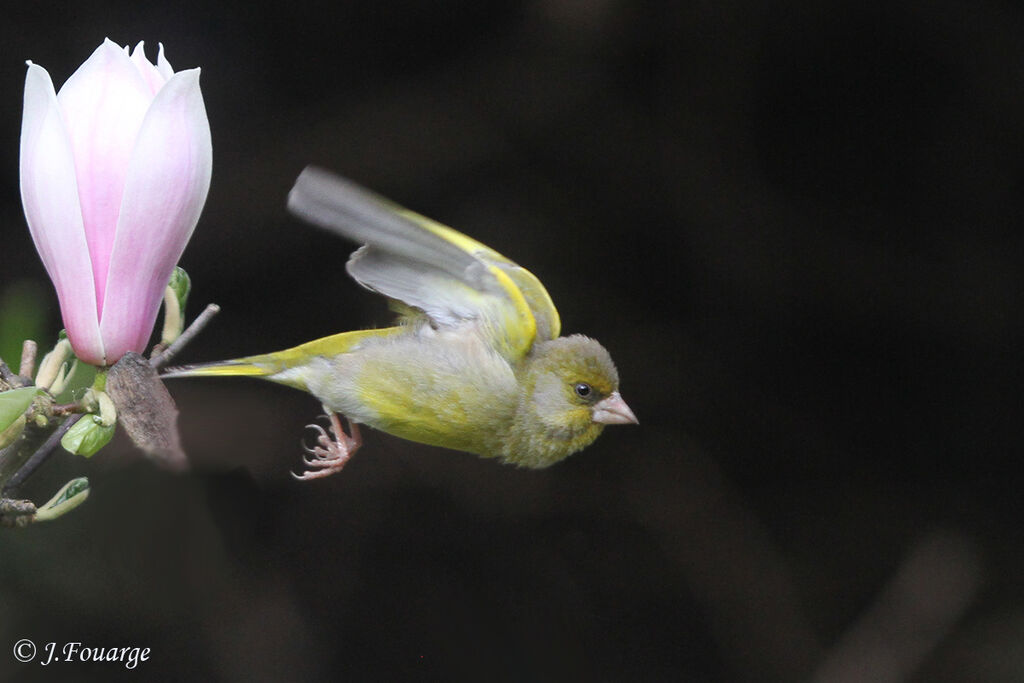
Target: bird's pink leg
<point>332,450</point>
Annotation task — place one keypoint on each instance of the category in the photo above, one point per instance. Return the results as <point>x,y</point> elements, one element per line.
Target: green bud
<point>87,436</point>
<point>70,496</point>
<point>181,283</point>
<point>175,297</point>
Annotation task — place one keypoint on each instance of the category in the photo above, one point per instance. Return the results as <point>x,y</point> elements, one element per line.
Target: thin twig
<point>40,456</point>
<point>28,358</point>
<point>178,344</point>
<point>69,409</point>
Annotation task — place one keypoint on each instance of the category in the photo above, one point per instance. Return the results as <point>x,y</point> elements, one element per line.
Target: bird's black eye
<point>583,390</point>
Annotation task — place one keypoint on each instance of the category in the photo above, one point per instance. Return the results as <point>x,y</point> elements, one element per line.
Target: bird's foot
<point>333,449</point>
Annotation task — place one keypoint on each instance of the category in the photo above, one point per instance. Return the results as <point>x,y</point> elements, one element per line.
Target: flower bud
<point>115,169</point>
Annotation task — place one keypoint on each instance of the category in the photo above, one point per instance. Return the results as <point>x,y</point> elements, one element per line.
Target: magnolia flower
<point>114,174</point>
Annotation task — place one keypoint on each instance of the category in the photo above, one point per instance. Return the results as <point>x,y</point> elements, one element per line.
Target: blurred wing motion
<point>452,278</point>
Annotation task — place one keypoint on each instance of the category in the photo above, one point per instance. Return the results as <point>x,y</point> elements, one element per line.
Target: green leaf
<point>87,436</point>
<point>14,403</point>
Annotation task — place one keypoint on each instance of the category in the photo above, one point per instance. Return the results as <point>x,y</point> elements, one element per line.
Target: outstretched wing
<point>452,278</point>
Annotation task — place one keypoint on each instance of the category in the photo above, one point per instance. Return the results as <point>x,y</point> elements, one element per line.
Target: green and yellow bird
<point>475,363</point>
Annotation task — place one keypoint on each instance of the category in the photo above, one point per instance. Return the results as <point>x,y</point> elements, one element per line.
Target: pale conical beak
<point>614,411</point>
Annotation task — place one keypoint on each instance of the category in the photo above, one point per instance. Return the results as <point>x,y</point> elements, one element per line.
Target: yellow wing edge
<point>528,296</point>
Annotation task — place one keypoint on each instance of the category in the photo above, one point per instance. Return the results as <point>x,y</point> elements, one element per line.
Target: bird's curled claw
<point>332,451</point>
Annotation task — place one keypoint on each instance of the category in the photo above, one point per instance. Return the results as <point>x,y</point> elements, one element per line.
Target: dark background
<point>796,228</point>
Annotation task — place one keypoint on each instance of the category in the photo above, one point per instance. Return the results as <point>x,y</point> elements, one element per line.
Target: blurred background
<point>794,225</point>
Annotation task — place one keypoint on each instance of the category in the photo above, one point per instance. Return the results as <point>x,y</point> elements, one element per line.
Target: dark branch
<point>41,455</point>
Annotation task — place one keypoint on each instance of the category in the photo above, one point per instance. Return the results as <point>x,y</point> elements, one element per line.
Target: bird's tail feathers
<point>284,367</point>
<point>253,366</point>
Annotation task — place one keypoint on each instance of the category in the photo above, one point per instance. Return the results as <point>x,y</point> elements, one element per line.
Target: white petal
<point>103,104</point>
<point>162,65</point>
<point>49,193</point>
<point>167,183</point>
<point>154,79</point>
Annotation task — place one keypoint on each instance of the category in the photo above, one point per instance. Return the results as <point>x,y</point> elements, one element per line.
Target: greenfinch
<point>475,362</point>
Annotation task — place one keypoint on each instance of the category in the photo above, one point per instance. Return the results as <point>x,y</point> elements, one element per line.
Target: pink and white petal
<point>49,194</point>
<point>154,79</point>
<point>167,184</point>
<point>103,104</point>
<point>162,65</point>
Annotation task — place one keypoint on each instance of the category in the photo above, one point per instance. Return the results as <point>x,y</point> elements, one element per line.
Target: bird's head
<point>571,391</point>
